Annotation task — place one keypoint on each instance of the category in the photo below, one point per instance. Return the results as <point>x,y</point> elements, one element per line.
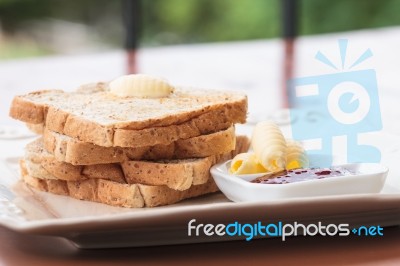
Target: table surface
<point>254,66</point>
<point>18,249</point>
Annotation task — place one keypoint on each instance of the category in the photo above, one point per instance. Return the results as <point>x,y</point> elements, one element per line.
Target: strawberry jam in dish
<point>298,175</point>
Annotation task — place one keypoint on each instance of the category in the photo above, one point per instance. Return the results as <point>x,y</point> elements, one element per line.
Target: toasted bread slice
<point>116,194</point>
<point>36,128</point>
<point>95,115</point>
<point>175,174</point>
<point>77,152</point>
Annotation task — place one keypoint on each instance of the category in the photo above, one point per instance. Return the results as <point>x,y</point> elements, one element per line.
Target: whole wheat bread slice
<point>94,115</point>
<point>77,152</point>
<point>36,128</point>
<point>175,174</point>
<point>116,194</point>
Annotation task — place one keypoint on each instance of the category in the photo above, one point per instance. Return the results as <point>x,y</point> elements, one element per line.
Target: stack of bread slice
<point>129,151</point>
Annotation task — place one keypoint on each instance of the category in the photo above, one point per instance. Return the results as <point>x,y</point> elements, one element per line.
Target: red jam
<point>297,175</point>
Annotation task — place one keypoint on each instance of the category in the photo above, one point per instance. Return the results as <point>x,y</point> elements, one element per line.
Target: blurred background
<point>31,28</point>
<point>225,44</point>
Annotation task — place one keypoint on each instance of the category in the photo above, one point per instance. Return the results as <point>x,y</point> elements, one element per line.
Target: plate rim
<point>36,226</point>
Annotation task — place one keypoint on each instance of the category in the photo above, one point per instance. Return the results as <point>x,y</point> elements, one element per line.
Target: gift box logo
<point>337,106</point>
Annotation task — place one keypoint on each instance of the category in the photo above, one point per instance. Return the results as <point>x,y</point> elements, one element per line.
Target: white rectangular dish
<point>365,178</point>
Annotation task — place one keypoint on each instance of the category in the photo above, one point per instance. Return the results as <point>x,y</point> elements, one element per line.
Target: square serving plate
<point>94,225</point>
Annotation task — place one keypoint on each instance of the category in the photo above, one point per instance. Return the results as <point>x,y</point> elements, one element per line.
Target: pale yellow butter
<point>272,153</point>
<point>296,156</point>
<point>246,163</point>
<point>140,85</point>
<point>269,145</point>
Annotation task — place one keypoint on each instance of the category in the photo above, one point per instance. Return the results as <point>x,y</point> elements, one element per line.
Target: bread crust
<point>207,118</point>
<point>175,174</point>
<point>116,194</point>
<point>77,152</point>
